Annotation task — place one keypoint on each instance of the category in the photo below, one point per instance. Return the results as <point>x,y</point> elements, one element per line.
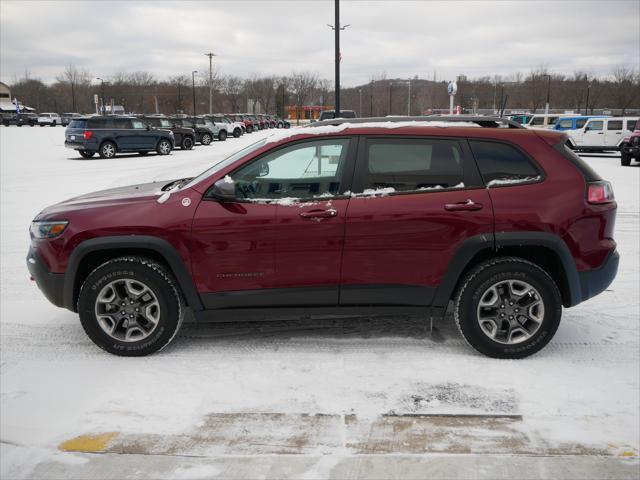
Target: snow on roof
<point>326,129</point>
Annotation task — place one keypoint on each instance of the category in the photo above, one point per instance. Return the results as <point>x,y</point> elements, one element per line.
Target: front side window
<point>566,124</point>
<point>537,121</point>
<point>596,126</point>
<point>581,122</point>
<point>614,125</point>
<point>301,171</point>
<point>412,165</point>
<point>502,164</point>
<point>631,125</point>
<point>164,123</point>
<point>138,125</point>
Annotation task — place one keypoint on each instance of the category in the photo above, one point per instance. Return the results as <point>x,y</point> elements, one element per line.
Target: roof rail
<point>483,121</point>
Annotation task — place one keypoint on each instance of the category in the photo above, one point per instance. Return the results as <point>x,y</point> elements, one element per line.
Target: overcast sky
<point>401,38</point>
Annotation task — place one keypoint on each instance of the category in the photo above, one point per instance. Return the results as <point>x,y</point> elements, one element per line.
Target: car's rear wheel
<point>206,139</point>
<point>130,306</point>
<point>107,150</point>
<point>187,143</point>
<point>237,132</point>
<point>86,153</point>
<point>164,147</point>
<point>249,129</point>
<point>222,135</point>
<point>508,308</point>
<point>625,159</point>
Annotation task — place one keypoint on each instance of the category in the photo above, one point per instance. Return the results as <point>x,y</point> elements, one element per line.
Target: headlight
<point>47,229</point>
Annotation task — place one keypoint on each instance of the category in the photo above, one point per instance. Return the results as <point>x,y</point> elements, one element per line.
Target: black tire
<point>159,281</point>
<point>480,279</point>
<point>107,150</point>
<point>187,143</point>
<point>164,147</point>
<point>625,159</point>
<point>142,154</point>
<point>206,139</point>
<point>53,124</point>
<point>249,129</point>
<point>222,135</point>
<point>237,132</point>
<point>86,153</point>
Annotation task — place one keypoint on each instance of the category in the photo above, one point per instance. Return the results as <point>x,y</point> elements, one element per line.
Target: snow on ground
<point>582,389</point>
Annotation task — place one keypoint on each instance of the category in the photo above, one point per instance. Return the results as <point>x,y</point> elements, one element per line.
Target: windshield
<point>226,162</point>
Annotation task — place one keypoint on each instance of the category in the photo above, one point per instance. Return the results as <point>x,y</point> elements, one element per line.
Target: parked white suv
<point>51,119</point>
<point>233,128</point>
<point>602,133</point>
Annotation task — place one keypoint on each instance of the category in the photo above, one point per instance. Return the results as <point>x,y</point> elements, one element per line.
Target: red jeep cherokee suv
<point>361,218</point>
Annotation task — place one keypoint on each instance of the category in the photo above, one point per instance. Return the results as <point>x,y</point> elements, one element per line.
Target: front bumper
<point>593,282</point>
<point>51,284</point>
<point>633,150</point>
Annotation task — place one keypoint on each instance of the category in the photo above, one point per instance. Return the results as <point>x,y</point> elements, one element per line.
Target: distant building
<point>7,102</point>
<point>307,112</point>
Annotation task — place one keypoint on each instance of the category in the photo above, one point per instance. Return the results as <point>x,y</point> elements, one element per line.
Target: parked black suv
<point>67,117</point>
<point>19,119</point>
<point>114,134</point>
<point>185,138</point>
<point>204,133</point>
<point>331,114</point>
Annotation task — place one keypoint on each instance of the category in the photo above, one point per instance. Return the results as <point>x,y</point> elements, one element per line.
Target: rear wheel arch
<point>545,250</point>
<point>90,254</point>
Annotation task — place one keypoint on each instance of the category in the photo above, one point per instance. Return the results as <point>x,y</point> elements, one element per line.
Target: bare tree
<point>624,90</point>
<point>232,87</point>
<point>74,78</point>
<point>302,85</point>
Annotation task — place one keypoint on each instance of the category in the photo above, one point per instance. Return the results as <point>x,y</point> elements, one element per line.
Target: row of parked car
<point>588,132</point>
<point>112,134</point>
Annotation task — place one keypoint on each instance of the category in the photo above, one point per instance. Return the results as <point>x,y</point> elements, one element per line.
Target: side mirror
<point>224,189</point>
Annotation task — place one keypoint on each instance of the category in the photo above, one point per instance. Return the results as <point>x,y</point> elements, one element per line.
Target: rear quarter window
<point>77,124</point>
<point>500,163</point>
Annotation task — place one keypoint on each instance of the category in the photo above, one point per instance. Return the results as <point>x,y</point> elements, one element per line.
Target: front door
<point>593,134</point>
<point>280,242</point>
<point>416,200</point>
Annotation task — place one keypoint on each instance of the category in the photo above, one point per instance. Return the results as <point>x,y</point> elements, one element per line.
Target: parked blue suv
<point>109,135</point>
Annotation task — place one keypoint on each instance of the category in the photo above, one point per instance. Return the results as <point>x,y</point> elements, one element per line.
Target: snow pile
<point>512,181</point>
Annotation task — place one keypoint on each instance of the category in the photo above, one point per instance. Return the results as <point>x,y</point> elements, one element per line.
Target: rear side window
<point>121,123</point>
<point>77,124</point>
<point>631,125</point>
<point>500,163</point>
<point>566,123</point>
<point>580,122</point>
<point>614,125</point>
<point>405,165</point>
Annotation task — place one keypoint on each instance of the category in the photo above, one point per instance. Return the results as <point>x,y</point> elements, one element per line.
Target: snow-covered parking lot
<point>305,398</point>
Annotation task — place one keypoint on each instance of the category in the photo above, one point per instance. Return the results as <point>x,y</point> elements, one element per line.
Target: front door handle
<point>468,205</point>
<point>320,213</point>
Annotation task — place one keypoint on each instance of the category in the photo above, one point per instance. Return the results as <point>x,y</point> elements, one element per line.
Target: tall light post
<point>193,89</point>
<point>336,28</point>
<point>390,97</point>
<point>546,106</point>
<point>360,92</point>
<point>102,81</point>
<point>210,55</point>
<point>371,99</point>
<point>586,104</point>
<point>409,99</point>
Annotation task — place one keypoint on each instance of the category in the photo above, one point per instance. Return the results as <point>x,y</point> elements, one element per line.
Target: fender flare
<point>145,242</point>
<point>493,242</point>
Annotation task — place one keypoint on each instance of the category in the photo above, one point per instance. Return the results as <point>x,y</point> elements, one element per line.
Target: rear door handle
<point>319,213</point>
<point>469,205</point>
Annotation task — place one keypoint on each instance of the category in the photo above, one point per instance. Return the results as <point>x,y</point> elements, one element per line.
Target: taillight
<point>88,134</point>
<point>600,192</point>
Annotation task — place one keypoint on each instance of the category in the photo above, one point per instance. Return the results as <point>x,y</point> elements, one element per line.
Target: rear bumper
<point>51,284</point>
<point>593,282</point>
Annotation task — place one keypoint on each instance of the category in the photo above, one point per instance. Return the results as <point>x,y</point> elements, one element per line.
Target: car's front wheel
<point>237,132</point>
<point>130,306</point>
<point>187,143</point>
<point>86,153</point>
<point>625,159</point>
<point>206,139</point>
<point>164,147</point>
<point>108,150</point>
<point>508,308</point>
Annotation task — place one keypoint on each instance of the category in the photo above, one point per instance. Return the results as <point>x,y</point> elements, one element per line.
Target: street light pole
<point>409,100</point>
<point>371,100</point>
<point>210,55</point>
<point>336,28</point>
<point>103,109</point>
<point>390,96</point>
<point>546,106</point>
<point>360,92</point>
<point>193,89</point>
<point>586,104</point>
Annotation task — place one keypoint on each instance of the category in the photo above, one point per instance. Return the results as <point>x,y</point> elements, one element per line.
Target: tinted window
<point>121,123</point>
<point>501,162</point>
<point>631,125</point>
<point>537,121</point>
<point>581,122</point>
<point>413,165</point>
<point>566,124</point>
<point>164,123</point>
<point>597,125</point>
<point>77,123</point>
<point>304,170</point>
<point>614,125</point>
<point>155,122</point>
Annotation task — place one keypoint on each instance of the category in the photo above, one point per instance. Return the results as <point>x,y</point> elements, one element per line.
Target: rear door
<point>415,201</point>
<point>613,132</point>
